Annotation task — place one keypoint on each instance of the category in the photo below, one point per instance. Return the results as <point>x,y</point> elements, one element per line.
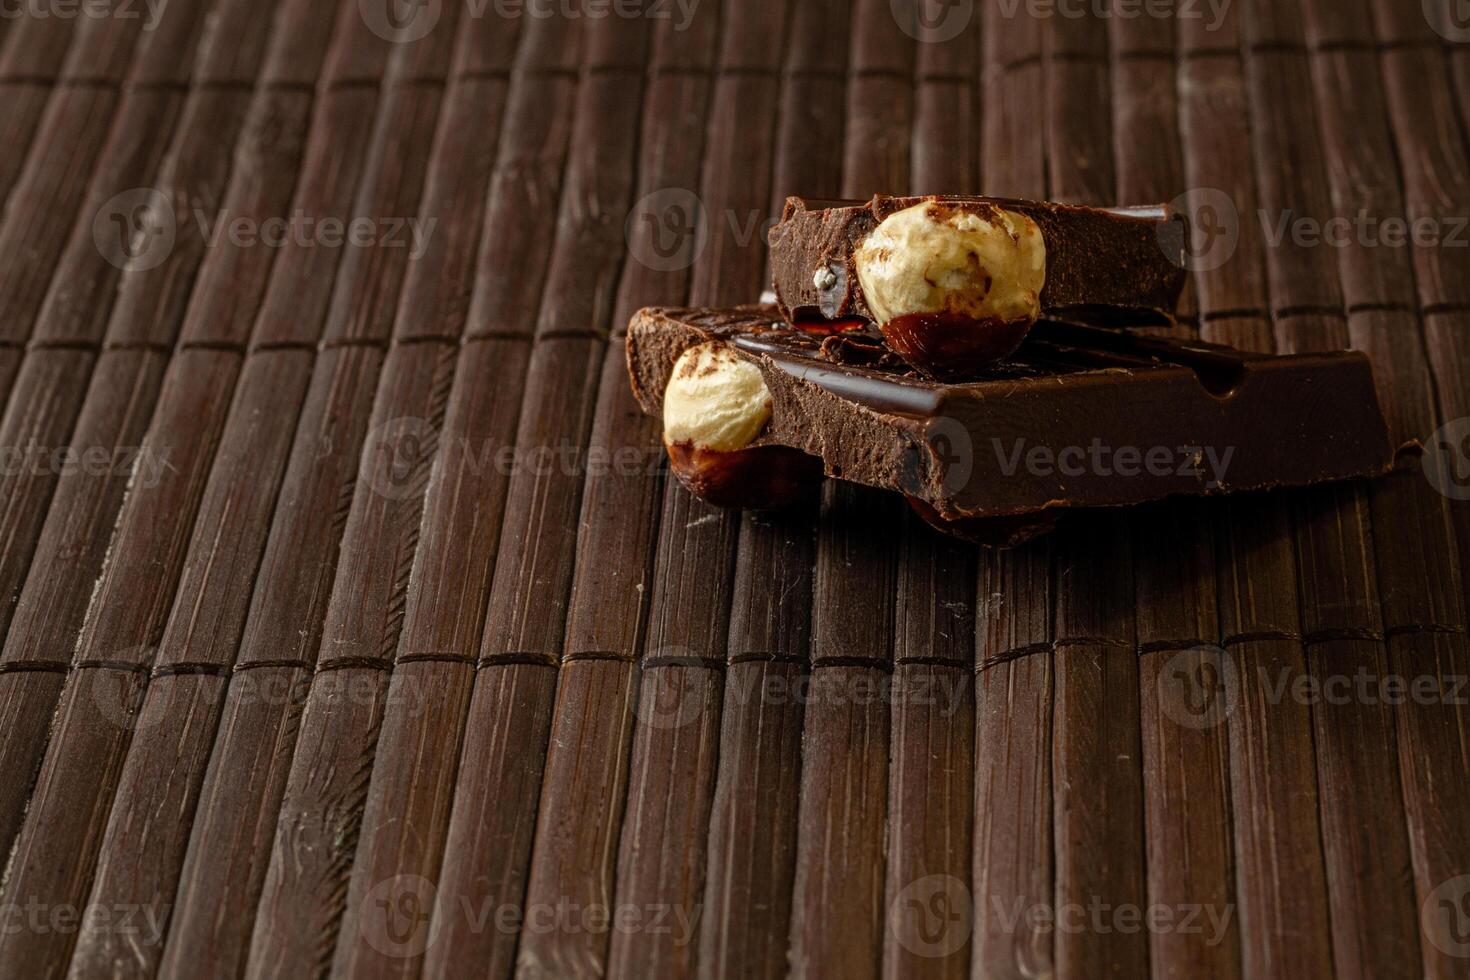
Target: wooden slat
<point>46,200</point>
<point>1097,782</point>
<point>1014,859</point>
<point>1186,764</point>
<point>1215,128</point>
<point>931,784</point>
<point>490,830</point>
<point>34,47</point>
<point>25,102</point>
<point>1274,794</point>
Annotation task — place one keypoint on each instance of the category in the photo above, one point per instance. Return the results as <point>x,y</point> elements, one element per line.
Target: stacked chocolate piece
<point>986,358</point>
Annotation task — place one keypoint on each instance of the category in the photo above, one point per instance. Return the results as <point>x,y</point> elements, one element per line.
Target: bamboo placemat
<point>350,624</point>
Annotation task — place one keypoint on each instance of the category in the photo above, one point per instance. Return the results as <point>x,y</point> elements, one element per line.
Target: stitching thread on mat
<point>1260,636</point>
<point>191,668</point>
<point>1342,633</point>
<point>1414,629</point>
<point>34,667</point>
<point>1163,646</point>
<point>518,660</point>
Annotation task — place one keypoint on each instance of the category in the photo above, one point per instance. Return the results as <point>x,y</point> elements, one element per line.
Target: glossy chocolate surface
<point>1081,416</point>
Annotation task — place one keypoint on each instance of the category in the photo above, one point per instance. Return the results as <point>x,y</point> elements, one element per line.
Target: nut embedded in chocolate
<point>889,257</point>
<point>1081,417</point>
<point>716,404</point>
<point>953,289</point>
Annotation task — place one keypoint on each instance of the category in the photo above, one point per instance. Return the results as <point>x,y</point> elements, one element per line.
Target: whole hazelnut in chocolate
<point>715,406</point>
<point>953,288</point>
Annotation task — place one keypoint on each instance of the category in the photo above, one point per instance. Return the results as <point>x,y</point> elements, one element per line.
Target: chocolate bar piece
<point>1082,416</point>
<point>955,283</point>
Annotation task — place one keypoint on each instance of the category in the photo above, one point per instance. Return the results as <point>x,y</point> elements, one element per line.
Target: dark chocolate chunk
<point>1118,259</point>
<point>1082,416</point>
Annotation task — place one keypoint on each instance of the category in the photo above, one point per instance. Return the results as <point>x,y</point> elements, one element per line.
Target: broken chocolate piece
<point>1081,417</point>
<point>955,283</point>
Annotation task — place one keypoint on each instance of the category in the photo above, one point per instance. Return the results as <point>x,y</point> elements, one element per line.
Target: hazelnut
<point>953,288</point>
<point>715,406</point>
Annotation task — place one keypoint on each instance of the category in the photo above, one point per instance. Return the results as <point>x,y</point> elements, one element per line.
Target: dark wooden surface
<point>370,639</point>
